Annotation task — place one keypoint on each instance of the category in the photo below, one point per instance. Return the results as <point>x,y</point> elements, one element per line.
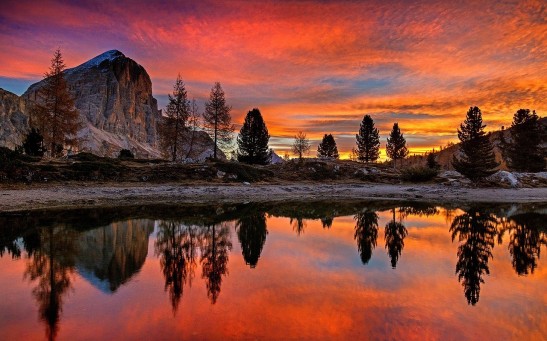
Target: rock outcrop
<point>113,95</point>
<point>13,120</point>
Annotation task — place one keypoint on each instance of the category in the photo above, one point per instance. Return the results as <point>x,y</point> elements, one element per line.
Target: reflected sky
<point>247,273</point>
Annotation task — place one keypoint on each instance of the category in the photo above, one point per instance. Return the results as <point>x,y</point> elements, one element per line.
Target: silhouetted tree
<point>34,143</point>
<point>525,241</point>
<point>52,266</point>
<point>366,233</point>
<point>368,141</point>
<point>53,111</point>
<point>477,152</point>
<point>327,148</point>
<point>432,162</point>
<point>215,247</point>
<point>176,245</point>
<point>217,119</point>
<point>524,153</point>
<point>301,145</point>
<point>253,140</point>
<point>172,128</point>
<point>476,232</point>
<point>252,232</point>
<point>396,145</point>
<point>395,233</point>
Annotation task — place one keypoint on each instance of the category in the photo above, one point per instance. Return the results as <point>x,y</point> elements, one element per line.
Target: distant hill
<point>444,157</point>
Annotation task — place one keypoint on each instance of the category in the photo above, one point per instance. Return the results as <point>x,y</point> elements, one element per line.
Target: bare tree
<point>301,145</point>
<point>217,119</point>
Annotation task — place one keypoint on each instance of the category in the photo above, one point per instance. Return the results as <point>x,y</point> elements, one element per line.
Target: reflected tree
<point>215,245</point>
<point>395,233</point>
<point>52,266</point>
<point>476,231</point>
<point>366,233</point>
<point>252,232</point>
<point>177,245</point>
<point>525,241</point>
<point>327,222</point>
<point>298,224</point>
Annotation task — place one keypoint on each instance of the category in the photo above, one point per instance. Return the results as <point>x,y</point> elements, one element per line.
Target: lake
<point>297,270</point>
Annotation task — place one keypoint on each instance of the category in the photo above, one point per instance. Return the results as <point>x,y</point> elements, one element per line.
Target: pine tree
<point>432,162</point>
<point>217,119</point>
<point>396,145</point>
<point>253,140</point>
<point>34,143</point>
<point>524,152</point>
<point>327,148</point>
<point>54,110</point>
<point>301,145</point>
<point>477,152</point>
<point>368,141</point>
<point>172,129</point>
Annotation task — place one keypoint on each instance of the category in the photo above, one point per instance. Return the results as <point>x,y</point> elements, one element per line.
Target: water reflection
<point>110,250</point>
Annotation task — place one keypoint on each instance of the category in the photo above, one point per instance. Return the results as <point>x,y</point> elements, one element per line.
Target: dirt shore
<point>89,195</point>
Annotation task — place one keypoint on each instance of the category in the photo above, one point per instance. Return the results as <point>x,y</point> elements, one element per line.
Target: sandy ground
<point>89,195</point>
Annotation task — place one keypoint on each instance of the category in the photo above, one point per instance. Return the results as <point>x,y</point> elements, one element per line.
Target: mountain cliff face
<point>109,256</point>
<point>113,95</point>
<point>13,121</point>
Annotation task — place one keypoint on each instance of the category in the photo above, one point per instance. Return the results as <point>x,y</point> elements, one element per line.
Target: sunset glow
<point>311,66</point>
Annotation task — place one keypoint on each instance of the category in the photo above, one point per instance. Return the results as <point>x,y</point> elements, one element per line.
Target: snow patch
<point>94,62</point>
<point>504,177</point>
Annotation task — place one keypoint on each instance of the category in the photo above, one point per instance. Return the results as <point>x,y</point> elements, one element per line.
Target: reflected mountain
<point>109,256</point>
<point>51,266</point>
<point>215,246</point>
<point>395,233</point>
<point>176,245</point>
<point>476,231</point>
<point>251,232</point>
<point>366,233</point>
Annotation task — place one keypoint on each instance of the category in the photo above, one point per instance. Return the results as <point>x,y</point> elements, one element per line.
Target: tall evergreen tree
<point>327,148</point>
<point>217,119</point>
<point>54,112</point>
<point>524,153</point>
<point>368,141</point>
<point>396,145</point>
<point>172,129</point>
<point>253,140</point>
<point>477,152</point>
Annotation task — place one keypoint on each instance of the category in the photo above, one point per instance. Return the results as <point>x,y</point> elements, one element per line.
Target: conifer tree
<point>477,152</point>
<point>327,148</point>
<point>524,153</point>
<point>396,145</point>
<point>54,111</point>
<point>217,119</point>
<point>253,140</point>
<point>432,162</point>
<point>368,141</point>
<point>173,127</point>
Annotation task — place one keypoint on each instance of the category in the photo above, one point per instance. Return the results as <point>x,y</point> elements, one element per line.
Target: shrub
<point>418,173</point>
<point>126,154</point>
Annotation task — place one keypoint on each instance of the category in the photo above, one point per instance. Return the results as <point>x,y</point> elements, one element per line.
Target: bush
<point>418,173</point>
<point>126,154</point>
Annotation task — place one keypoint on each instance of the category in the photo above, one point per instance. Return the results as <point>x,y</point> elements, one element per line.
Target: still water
<point>348,270</point>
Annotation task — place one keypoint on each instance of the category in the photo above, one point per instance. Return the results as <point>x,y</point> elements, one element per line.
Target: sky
<point>311,66</point>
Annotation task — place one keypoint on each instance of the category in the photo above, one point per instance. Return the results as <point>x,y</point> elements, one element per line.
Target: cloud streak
<point>316,66</point>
